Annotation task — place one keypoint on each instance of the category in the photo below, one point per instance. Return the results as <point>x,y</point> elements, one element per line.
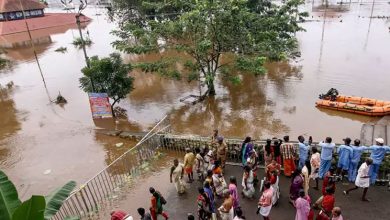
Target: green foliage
<point>61,49</point>
<point>205,30</point>
<point>3,62</point>
<point>79,43</point>
<point>31,209</point>
<point>162,66</point>
<point>36,208</point>
<point>253,65</point>
<point>108,75</point>
<point>236,80</point>
<point>72,218</point>
<point>149,67</point>
<point>192,76</point>
<point>56,198</point>
<point>9,199</point>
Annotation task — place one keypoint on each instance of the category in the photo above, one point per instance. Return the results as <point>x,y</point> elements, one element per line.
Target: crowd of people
<point>303,163</point>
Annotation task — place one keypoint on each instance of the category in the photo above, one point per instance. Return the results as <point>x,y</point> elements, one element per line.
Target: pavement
<point>179,206</point>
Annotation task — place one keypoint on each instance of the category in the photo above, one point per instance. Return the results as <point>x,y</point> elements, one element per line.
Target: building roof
<point>47,21</point>
<point>14,5</point>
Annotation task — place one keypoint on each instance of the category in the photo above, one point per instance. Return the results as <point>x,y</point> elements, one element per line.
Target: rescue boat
<point>354,104</point>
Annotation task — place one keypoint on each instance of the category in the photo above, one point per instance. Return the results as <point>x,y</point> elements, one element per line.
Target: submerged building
<point>13,9</point>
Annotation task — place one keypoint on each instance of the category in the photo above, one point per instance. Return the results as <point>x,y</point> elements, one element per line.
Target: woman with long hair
<point>267,152</point>
<point>234,192</point>
<point>246,149</point>
<point>296,184</point>
<point>305,173</point>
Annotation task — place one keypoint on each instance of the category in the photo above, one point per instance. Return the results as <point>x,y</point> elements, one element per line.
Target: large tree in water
<point>251,31</point>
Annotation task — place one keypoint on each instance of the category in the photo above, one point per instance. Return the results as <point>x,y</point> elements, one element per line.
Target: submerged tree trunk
<point>211,88</point>
<point>112,110</point>
<point>112,107</point>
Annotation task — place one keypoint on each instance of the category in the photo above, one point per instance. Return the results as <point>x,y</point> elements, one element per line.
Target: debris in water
<point>10,85</point>
<point>60,99</point>
<point>47,172</point>
<point>119,144</point>
<point>120,112</point>
<point>61,50</point>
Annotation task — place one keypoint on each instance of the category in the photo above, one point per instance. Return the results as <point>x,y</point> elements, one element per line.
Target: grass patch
<point>79,43</point>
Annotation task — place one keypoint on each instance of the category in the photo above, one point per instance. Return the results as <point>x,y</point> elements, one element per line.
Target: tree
<point>37,207</point>
<point>252,31</point>
<point>108,75</point>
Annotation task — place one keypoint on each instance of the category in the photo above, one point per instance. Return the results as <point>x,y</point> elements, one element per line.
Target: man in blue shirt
<point>303,151</point>
<point>378,152</point>
<point>355,159</point>
<point>345,152</point>
<point>326,156</point>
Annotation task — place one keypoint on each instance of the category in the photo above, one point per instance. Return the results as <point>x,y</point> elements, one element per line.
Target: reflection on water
<point>19,47</point>
<point>9,123</point>
<point>333,7</point>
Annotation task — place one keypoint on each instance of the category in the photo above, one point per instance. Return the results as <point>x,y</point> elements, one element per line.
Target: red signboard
<point>100,105</point>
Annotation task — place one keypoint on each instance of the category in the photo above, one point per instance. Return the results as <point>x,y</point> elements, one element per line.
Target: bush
<point>79,43</point>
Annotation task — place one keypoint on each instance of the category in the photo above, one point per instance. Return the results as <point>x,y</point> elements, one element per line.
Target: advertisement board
<point>100,105</point>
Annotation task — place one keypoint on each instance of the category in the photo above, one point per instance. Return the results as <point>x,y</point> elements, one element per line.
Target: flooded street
<point>348,51</point>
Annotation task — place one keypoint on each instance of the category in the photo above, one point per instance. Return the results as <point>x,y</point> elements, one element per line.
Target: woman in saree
<point>267,153</point>
<point>247,182</point>
<point>315,161</point>
<point>246,149</point>
<point>296,185</point>
<point>219,184</point>
<point>306,179</point>
<point>272,167</point>
<point>234,192</point>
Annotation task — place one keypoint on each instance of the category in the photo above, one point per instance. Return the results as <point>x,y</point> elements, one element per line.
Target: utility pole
<point>32,42</point>
<point>83,5</point>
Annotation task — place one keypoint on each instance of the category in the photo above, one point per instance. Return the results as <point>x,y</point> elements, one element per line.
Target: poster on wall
<point>100,105</point>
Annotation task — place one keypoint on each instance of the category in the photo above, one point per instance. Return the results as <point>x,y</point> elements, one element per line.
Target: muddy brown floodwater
<point>347,50</point>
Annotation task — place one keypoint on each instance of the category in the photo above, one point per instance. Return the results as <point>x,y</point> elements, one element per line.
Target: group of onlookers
<point>302,161</point>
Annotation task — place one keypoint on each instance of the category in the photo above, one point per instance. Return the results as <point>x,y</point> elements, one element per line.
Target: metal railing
<point>96,193</point>
<point>181,142</point>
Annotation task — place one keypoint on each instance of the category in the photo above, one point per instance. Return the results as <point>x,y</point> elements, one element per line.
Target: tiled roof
<point>47,21</point>
<point>15,5</point>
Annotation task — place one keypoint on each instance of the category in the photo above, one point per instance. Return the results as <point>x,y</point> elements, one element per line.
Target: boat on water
<point>353,104</point>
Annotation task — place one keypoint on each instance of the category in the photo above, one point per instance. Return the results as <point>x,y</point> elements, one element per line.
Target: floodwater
<point>347,51</point>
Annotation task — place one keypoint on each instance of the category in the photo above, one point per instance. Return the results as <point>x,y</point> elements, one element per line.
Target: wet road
<point>179,206</point>
<point>347,50</point>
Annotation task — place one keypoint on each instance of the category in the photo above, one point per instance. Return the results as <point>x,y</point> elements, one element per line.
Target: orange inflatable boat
<point>357,105</point>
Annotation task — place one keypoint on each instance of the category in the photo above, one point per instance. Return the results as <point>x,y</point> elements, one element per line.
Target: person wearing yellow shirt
<point>189,161</point>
